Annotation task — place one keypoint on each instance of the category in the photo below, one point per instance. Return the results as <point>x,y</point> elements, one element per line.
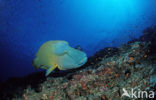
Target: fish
<point>58,54</point>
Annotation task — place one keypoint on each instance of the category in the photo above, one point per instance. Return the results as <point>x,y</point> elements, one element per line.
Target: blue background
<point>93,24</point>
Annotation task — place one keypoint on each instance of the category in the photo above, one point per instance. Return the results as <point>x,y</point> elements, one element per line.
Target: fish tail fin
<point>49,70</point>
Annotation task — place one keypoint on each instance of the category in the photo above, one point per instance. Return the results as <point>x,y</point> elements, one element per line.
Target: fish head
<point>73,59</point>
<point>81,58</point>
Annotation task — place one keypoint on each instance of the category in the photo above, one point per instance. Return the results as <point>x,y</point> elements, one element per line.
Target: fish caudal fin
<point>49,70</point>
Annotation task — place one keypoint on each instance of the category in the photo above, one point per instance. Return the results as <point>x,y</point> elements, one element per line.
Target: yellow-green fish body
<point>58,54</point>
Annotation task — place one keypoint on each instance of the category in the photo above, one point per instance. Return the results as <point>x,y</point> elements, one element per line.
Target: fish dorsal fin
<point>60,68</point>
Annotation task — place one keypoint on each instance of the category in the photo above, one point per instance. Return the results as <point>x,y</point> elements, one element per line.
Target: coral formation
<point>103,77</point>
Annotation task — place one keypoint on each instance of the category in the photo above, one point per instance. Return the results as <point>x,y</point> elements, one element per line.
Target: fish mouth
<point>83,61</point>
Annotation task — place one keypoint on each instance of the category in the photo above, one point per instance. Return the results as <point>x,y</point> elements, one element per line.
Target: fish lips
<point>83,61</point>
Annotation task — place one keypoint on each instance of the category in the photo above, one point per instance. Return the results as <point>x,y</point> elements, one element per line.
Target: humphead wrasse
<point>58,54</point>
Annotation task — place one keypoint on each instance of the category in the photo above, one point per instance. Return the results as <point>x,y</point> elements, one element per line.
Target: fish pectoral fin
<point>50,70</point>
<point>60,68</point>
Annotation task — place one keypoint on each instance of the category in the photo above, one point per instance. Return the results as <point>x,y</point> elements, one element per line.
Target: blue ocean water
<point>93,24</point>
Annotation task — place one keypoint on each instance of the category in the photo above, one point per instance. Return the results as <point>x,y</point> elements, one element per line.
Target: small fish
<point>58,54</point>
<point>78,47</point>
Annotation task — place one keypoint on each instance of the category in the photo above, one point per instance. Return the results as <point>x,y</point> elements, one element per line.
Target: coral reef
<point>103,77</point>
<point>130,68</point>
